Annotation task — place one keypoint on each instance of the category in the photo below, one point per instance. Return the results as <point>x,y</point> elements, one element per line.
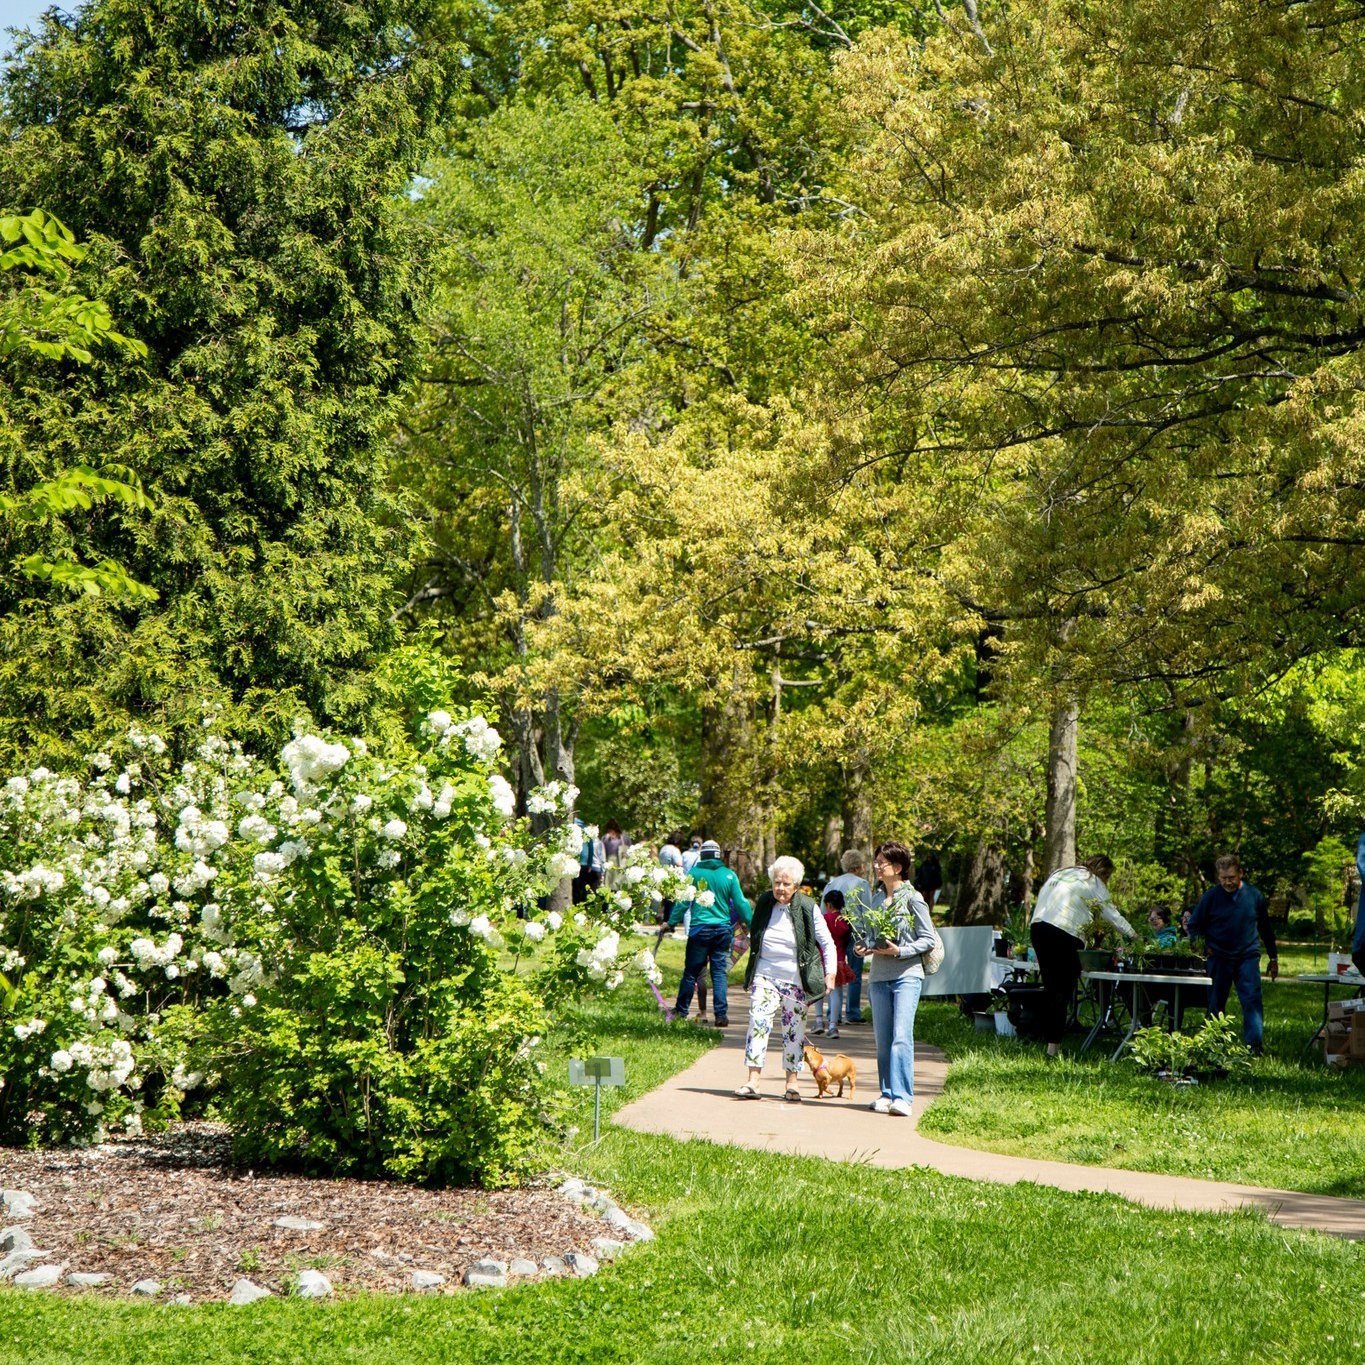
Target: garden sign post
<point>597,1072</point>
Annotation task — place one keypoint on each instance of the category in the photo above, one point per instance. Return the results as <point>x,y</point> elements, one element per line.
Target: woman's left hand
<point>829,981</point>
<point>887,950</point>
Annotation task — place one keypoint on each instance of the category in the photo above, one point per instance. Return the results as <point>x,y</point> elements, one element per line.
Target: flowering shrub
<point>334,945</point>
<point>588,951</point>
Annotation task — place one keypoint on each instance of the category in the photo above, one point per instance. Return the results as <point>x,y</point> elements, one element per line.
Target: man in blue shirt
<point>1231,918</point>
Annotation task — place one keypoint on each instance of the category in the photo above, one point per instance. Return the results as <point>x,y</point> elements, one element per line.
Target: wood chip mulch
<point>174,1208</point>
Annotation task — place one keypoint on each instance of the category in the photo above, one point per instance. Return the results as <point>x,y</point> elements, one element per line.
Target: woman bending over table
<point>1065,905</point>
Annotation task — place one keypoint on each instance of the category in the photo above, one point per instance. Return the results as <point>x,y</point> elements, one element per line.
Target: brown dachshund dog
<point>839,1068</point>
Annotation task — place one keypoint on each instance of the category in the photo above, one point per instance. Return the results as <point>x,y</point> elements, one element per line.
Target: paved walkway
<point>700,1103</point>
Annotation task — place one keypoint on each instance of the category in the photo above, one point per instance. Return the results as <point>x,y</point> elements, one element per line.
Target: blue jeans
<point>893,1018</point>
<point>1245,974</point>
<point>853,999</point>
<point>709,943</point>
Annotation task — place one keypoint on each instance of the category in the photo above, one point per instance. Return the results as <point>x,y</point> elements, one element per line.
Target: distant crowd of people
<point>805,963</point>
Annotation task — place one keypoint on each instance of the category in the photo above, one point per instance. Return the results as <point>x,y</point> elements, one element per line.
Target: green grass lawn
<point>769,1258</point>
<point>1292,1125</point>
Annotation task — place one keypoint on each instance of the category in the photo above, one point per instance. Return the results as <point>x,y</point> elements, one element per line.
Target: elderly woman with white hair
<point>792,960</point>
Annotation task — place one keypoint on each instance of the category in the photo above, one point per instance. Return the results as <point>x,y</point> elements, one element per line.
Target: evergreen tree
<point>237,172</point>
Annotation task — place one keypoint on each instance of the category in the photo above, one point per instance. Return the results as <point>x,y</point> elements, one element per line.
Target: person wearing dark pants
<point>1068,901</point>
<point>1059,970</point>
<point>1232,918</point>
<point>707,946</point>
<point>717,906</point>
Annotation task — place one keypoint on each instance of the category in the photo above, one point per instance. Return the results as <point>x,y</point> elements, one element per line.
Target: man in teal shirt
<point>719,905</point>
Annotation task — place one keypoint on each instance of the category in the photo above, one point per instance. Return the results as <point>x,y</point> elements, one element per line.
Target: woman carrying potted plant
<point>895,934</point>
<point>1069,900</point>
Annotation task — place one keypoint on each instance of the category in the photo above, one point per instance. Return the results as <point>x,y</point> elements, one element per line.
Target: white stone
<point>313,1284</point>
<point>574,1189</point>
<point>149,1288</point>
<point>555,1265</point>
<point>607,1248</point>
<point>19,1260</point>
<point>641,1232</point>
<point>291,1223</point>
<point>247,1291</point>
<point>17,1203</point>
<point>15,1239</point>
<point>86,1279</point>
<point>180,1301</point>
<point>486,1274</point>
<point>618,1218</point>
<point>523,1268</point>
<point>40,1277</point>
<point>581,1264</point>
<point>423,1280</point>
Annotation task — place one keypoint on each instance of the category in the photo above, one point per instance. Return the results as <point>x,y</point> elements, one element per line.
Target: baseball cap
<point>710,849</point>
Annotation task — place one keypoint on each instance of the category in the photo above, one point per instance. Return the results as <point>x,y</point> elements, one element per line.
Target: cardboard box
<point>1357,1044</point>
<point>1337,1037</point>
<point>1343,1011</point>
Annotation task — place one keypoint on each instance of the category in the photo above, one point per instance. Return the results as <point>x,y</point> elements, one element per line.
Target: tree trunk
<point>982,896</point>
<point>831,846</point>
<point>734,804</point>
<point>857,806</point>
<point>1030,870</point>
<point>1061,787</point>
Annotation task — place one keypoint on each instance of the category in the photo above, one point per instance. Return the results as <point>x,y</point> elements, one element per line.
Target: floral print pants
<point>766,998</point>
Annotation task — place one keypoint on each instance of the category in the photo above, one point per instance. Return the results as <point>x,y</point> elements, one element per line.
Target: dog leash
<point>663,1005</point>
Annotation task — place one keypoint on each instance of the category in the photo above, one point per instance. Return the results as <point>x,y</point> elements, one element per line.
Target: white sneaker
<point>881,1105</point>
<point>900,1108</point>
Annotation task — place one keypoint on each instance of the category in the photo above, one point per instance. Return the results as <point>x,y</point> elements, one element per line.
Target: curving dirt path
<point>700,1103</point>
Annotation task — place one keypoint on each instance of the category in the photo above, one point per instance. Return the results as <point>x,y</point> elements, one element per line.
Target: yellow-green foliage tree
<point>45,317</point>
<point>1102,290</point>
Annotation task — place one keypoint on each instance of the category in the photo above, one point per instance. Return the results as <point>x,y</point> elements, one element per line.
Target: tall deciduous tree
<point>1104,286</point>
<point>543,312</point>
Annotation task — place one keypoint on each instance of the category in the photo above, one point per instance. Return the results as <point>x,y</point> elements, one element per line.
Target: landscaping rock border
<point>171,1220</point>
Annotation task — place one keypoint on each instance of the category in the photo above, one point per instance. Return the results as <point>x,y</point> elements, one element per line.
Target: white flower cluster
<point>481,740</point>
<point>504,798</point>
<point>310,759</point>
<point>561,865</point>
<point>482,927</point>
<point>148,956</point>
<point>33,882</point>
<point>109,1061</point>
<point>600,961</point>
<point>644,963</point>
<point>552,798</point>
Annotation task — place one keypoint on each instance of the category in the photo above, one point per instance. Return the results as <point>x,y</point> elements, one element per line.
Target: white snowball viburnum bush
<point>335,946</point>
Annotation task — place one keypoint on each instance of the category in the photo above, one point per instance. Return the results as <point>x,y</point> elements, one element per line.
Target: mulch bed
<point>175,1208</point>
